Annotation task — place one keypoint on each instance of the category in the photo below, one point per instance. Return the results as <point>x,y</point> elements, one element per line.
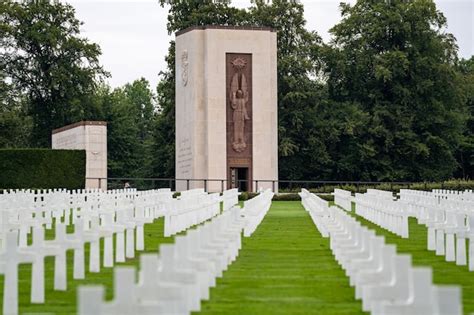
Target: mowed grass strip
<point>285,267</point>
<point>444,273</point>
<point>64,302</point>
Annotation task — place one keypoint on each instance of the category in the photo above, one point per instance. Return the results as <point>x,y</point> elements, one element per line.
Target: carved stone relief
<point>184,68</point>
<point>239,97</point>
<point>239,112</point>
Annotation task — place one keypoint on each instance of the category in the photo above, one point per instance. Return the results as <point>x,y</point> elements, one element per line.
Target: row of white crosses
<point>317,207</point>
<point>33,208</point>
<point>97,216</point>
<point>343,198</point>
<point>230,198</point>
<point>385,281</point>
<point>449,218</point>
<point>421,203</point>
<point>466,195</point>
<point>191,208</point>
<point>380,208</point>
<point>175,280</point>
<point>255,209</point>
<point>24,209</point>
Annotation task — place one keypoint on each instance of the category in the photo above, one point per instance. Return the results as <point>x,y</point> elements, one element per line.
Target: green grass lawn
<point>443,272</point>
<point>285,267</point>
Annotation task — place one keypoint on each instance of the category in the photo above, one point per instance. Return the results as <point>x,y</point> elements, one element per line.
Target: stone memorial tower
<point>226,108</point>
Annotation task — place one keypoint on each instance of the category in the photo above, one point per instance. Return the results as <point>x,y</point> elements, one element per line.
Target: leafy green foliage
<point>299,94</point>
<point>130,112</point>
<point>44,59</point>
<point>395,187</point>
<point>465,154</point>
<point>164,132</point>
<point>15,126</point>
<point>246,195</point>
<point>395,64</point>
<point>42,168</point>
<point>386,100</point>
<point>184,14</point>
<point>286,197</point>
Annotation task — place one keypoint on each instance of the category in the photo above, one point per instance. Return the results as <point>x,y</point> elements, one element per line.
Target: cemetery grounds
<point>286,267</point>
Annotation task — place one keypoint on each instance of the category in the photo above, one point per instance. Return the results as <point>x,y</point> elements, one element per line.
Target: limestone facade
<point>201,100</point>
<point>90,136</point>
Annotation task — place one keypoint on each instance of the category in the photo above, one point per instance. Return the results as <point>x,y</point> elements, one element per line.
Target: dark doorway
<point>240,178</point>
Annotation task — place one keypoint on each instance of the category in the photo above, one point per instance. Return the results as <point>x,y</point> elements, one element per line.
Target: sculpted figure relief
<point>184,67</point>
<point>239,97</point>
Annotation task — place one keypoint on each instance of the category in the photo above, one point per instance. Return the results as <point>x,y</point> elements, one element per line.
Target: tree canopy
<point>395,63</point>
<point>47,62</point>
<point>383,101</point>
<point>387,99</point>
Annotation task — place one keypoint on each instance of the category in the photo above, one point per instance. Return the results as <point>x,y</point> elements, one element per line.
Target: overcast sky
<point>134,39</point>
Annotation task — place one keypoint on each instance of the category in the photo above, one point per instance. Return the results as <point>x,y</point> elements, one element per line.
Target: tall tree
<point>394,62</point>
<point>44,57</point>
<point>302,146</point>
<point>465,153</point>
<point>383,101</point>
<point>15,124</point>
<point>164,134</point>
<point>130,113</point>
<point>184,14</point>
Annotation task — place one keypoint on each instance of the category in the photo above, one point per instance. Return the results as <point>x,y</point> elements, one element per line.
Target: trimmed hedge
<point>296,197</point>
<point>454,184</point>
<point>247,195</point>
<point>284,196</point>
<point>42,168</point>
<point>327,197</point>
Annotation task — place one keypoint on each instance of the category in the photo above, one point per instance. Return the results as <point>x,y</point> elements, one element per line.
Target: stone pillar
<point>90,136</point>
<point>226,107</point>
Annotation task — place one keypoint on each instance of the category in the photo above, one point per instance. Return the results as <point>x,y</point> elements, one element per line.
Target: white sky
<point>134,39</point>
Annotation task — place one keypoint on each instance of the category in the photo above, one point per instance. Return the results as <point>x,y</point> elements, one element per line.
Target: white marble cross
<point>109,229</point>
<point>186,280</point>
<point>78,235</point>
<point>64,243</point>
<point>92,236</point>
<point>124,218</point>
<point>41,250</point>
<point>125,302</point>
<point>149,289</point>
<point>420,299</point>
<point>10,257</point>
<point>140,219</point>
